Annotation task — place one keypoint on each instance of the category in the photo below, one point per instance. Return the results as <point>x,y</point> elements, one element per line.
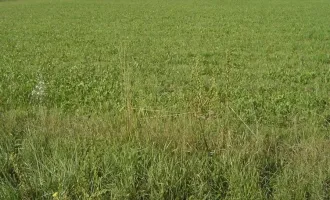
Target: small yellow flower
<point>55,195</point>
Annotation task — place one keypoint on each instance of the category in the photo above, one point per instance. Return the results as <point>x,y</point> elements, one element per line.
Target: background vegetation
<point>185,99</point>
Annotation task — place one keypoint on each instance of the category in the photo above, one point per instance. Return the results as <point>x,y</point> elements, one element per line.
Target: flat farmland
<point>149,99</point>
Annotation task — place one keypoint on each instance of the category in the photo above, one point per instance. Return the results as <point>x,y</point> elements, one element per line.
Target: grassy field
<point>150,99</point>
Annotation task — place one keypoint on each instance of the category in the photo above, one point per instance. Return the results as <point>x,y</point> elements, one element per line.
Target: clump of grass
<point>90,158</point>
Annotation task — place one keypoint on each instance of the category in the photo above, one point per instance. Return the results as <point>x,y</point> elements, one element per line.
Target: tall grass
<point>164,100</point>
<point>181,157</point>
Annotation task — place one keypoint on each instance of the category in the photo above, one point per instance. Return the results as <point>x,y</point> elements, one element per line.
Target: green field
<point>172,99</point>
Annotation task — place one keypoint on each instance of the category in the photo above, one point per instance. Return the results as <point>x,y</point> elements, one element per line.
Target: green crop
<point>146,99</point>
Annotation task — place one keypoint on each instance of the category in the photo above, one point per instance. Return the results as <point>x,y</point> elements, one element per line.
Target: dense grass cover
<point>148,99</point>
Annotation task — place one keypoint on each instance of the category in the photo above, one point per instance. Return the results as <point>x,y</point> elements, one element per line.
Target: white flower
<point>39,91</point>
